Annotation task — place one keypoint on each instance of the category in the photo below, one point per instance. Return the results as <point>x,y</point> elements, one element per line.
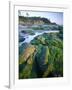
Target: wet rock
<point>21,39</point>
<point>27,53</point>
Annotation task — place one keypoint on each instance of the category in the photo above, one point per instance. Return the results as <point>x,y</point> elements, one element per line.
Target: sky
<point>56,17</point>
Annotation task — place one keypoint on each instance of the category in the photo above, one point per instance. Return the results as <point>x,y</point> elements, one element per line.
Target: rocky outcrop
<point>43,57</point>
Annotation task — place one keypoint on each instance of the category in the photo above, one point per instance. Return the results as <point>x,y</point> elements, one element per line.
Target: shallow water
<point>29,38</point>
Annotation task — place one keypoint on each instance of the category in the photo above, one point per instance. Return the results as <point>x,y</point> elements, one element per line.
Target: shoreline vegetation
<point>42,57</point>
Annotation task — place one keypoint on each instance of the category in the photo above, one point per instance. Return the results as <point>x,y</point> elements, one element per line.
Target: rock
<point>22,48</point>
<point>42,58</point>
<point>48,71</point>
<point>21,39</point>
<point>41,39</point>
<point>24,32</point>
<point>27,53</point>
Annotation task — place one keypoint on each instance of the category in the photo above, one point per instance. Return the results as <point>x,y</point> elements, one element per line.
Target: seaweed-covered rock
<point>28,52</point>
<point>43,57</point>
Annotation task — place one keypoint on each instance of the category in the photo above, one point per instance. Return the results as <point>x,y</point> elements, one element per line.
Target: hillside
<point>34,20</point>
